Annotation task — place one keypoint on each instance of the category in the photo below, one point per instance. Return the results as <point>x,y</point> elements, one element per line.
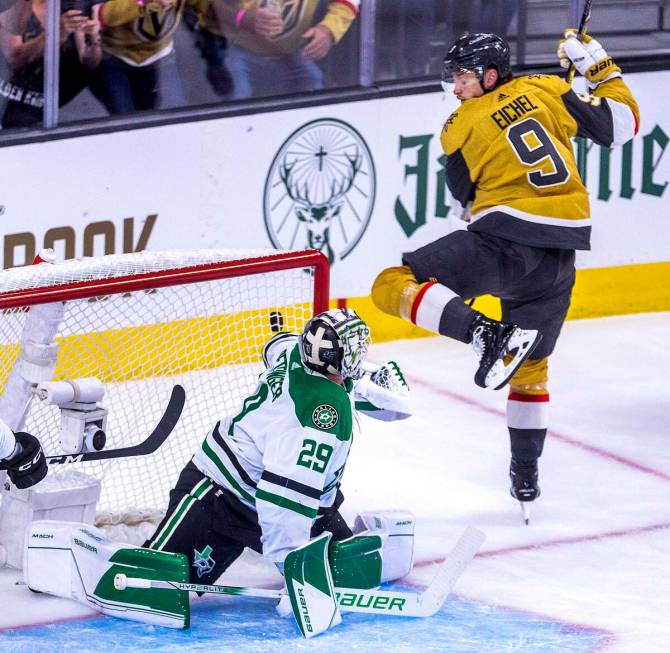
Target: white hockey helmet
<point>335,342</point>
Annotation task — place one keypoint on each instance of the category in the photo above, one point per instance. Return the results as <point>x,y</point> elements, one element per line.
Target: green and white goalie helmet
<point>335,342</point>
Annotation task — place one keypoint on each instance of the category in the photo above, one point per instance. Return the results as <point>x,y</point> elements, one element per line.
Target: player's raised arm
<point>609,115</point>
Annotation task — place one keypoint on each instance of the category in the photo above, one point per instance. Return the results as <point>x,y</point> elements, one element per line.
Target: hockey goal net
<point>141,323</point>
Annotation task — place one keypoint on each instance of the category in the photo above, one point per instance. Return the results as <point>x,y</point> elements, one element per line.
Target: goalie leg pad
<point>396,529</point>
<point>309,584</point>
<point>76,561</point>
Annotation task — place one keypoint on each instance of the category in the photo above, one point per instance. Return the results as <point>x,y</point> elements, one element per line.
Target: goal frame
<point>206,272</point>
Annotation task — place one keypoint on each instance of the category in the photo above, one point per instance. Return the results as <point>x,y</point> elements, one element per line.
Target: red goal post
<point>139,324</point>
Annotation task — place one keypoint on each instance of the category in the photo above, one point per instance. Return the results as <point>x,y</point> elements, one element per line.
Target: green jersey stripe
<point>211,454</point>
<point>366,405</point>
<point>282,481</point>
<point>218,438</point>
<point>197,492</point>
<point>283,502</point>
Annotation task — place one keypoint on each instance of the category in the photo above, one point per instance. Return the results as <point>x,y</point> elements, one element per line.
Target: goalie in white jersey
<point>268,477</point>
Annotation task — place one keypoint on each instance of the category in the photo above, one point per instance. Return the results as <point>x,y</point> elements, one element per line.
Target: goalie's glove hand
<point>390,376</point>
<point>588,57</point>
<point>27,465</point>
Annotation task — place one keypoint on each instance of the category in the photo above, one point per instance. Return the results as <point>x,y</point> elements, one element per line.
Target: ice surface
<point>589,573</point>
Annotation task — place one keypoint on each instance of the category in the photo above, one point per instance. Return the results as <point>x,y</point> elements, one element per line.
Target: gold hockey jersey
<point>140,34</point>
<point>510,153</point>
<point>298,16</point>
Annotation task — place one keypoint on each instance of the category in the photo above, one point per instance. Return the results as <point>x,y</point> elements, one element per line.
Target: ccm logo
<point>30,464</point>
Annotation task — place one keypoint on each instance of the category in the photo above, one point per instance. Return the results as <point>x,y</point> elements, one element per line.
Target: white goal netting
<point>140,324</point>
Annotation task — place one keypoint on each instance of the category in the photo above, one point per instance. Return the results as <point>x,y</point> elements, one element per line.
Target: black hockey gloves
<point>27,466</point>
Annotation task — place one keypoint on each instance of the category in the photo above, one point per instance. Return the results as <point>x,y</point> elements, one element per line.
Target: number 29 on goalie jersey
<point>284,452</point>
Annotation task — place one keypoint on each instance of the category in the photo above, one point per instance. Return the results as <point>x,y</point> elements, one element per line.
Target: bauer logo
<point>320,190</point>
<point>325,416</point>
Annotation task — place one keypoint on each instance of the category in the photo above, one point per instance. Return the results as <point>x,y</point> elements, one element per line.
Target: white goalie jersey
<point>284,453</point>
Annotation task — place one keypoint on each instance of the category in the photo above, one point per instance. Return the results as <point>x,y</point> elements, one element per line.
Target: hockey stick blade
<point>163,429</point>
<point>450,571</point>
<point>416,604</point>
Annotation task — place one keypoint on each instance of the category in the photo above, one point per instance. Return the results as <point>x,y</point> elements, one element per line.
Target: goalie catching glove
<point>26,466</point>
<point>382,392</point>
<point>588,57</point>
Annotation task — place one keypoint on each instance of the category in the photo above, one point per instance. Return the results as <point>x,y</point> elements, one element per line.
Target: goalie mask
<point>335,342</point>
<point>475,53</point>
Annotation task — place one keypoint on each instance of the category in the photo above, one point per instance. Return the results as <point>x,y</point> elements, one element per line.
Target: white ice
<point>596,552</point>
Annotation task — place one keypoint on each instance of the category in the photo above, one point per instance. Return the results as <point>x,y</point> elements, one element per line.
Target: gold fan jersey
<point>141,33</point>
<point>298,17</point>
<point>509,153</point>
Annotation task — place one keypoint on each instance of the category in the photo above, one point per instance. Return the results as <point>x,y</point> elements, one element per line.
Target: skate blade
<point>524,341</point>
<point>525,511</point>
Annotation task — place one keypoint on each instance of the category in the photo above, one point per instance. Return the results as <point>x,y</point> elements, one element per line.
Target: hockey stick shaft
<point>581,32</point>
<point>121,582</point>
<point>350,599</point>
<point>372,601</point>
<point>163,429</point>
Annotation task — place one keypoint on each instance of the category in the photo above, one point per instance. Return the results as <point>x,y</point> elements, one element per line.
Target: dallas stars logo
<point>325,416</point>
<point>203,561</point>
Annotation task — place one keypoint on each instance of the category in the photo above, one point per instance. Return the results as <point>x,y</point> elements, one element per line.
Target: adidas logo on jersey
<point>501,97</point>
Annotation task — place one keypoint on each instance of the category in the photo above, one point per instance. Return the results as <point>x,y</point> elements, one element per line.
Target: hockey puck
<point>276,321</point>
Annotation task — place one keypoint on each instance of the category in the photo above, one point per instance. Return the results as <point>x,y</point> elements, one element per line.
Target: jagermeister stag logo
<point>320,189</point>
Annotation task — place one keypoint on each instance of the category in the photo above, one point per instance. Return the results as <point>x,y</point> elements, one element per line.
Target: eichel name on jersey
<point>284,453</point>
<point>509,153</point>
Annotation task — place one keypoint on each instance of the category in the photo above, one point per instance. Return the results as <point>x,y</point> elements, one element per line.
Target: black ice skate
<point>524,488</point>
<point>493,341</point>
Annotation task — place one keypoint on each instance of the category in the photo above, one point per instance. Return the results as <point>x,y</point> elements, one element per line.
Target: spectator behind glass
<point>139,70</point>
<point>489,16</point>
<point>22,40</point>
<point>273,44</point>
<point>212,44</point>
<point>405,30</point>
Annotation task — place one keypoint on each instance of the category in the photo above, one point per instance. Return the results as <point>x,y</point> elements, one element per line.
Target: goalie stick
<point>163,429</point>
<point>385,602</point>
<point>581,31</point>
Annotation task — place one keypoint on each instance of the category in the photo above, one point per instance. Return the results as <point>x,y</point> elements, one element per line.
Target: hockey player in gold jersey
<point>512,170</point>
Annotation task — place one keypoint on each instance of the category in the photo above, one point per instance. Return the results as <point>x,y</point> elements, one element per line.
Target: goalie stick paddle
<point>581,31</point>
<point>382,602</point>
<point>156,438</point>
